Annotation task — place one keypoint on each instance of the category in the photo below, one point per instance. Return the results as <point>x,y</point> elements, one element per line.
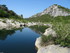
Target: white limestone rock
<point>9,24</point>
<point>50,31</point>
<point>38,42</point>
<point>50,48</point>
<point>2,25</point>
<point>53,49</point>
<point>54,11</point>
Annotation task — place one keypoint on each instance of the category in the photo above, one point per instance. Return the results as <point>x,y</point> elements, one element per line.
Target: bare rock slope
<point>55,10</point>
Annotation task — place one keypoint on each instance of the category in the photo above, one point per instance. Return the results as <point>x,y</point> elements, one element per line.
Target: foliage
<point>10,14</point>
<point>63,34</point>
<point>4,21</point>
<point>42,18</point>
<point>46,38</point>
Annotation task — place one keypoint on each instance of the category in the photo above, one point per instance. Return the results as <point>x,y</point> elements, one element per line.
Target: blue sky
<point>31,7</point>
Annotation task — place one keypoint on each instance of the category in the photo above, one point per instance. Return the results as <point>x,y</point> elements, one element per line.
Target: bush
<point>46,38</point>
<point>63,33</point>
<point>4,21</point>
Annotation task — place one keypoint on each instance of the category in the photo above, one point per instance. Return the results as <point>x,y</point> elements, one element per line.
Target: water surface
<point>18,41</point>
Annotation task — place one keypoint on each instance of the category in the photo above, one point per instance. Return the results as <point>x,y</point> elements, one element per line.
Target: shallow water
<point>20,41</point>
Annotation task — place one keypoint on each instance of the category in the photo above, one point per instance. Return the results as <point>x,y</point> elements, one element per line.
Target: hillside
<point>48,18</point>
<point>9,19</point>
<point>54,10</point>
<point>10,14</point>
<point>59,18</point>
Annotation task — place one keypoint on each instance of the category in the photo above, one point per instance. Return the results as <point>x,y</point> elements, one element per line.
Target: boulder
<point>50,48</point>
<point>9,24</point>
<point>54,49</point>
<point>38,42</point>
<point>50,31</point>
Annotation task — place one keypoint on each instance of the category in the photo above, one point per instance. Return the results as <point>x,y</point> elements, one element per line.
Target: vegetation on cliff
<point>10,14</point>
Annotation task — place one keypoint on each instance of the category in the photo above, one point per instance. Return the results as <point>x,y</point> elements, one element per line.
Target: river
<point>18,41</point>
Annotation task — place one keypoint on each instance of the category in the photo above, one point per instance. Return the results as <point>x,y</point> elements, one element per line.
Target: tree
<point>21,16</point>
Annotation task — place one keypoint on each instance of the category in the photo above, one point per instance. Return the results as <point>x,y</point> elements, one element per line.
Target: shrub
<point>46,38</point>
<point>4,21</point>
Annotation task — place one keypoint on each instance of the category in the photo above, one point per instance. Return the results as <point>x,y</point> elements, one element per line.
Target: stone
<point>8,24</point>
<point>50,48</point>
<point>54,49</point>
<point>50,31</point>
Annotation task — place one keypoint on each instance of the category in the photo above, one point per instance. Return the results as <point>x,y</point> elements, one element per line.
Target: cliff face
<point>55,10</point>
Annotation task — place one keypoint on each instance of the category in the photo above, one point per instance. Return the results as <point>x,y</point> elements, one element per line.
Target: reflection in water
<point>4,33</point>
<point>39,28</point>
<point>15,41</point>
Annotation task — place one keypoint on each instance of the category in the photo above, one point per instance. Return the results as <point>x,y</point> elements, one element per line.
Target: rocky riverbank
<point>9,24</point>
<point>50,48</point>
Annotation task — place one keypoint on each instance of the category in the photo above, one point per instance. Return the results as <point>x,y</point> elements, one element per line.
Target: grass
<point>63,34</point>
<point>46,38</point>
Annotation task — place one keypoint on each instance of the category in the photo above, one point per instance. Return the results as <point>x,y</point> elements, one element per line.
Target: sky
<point>30,7</point>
